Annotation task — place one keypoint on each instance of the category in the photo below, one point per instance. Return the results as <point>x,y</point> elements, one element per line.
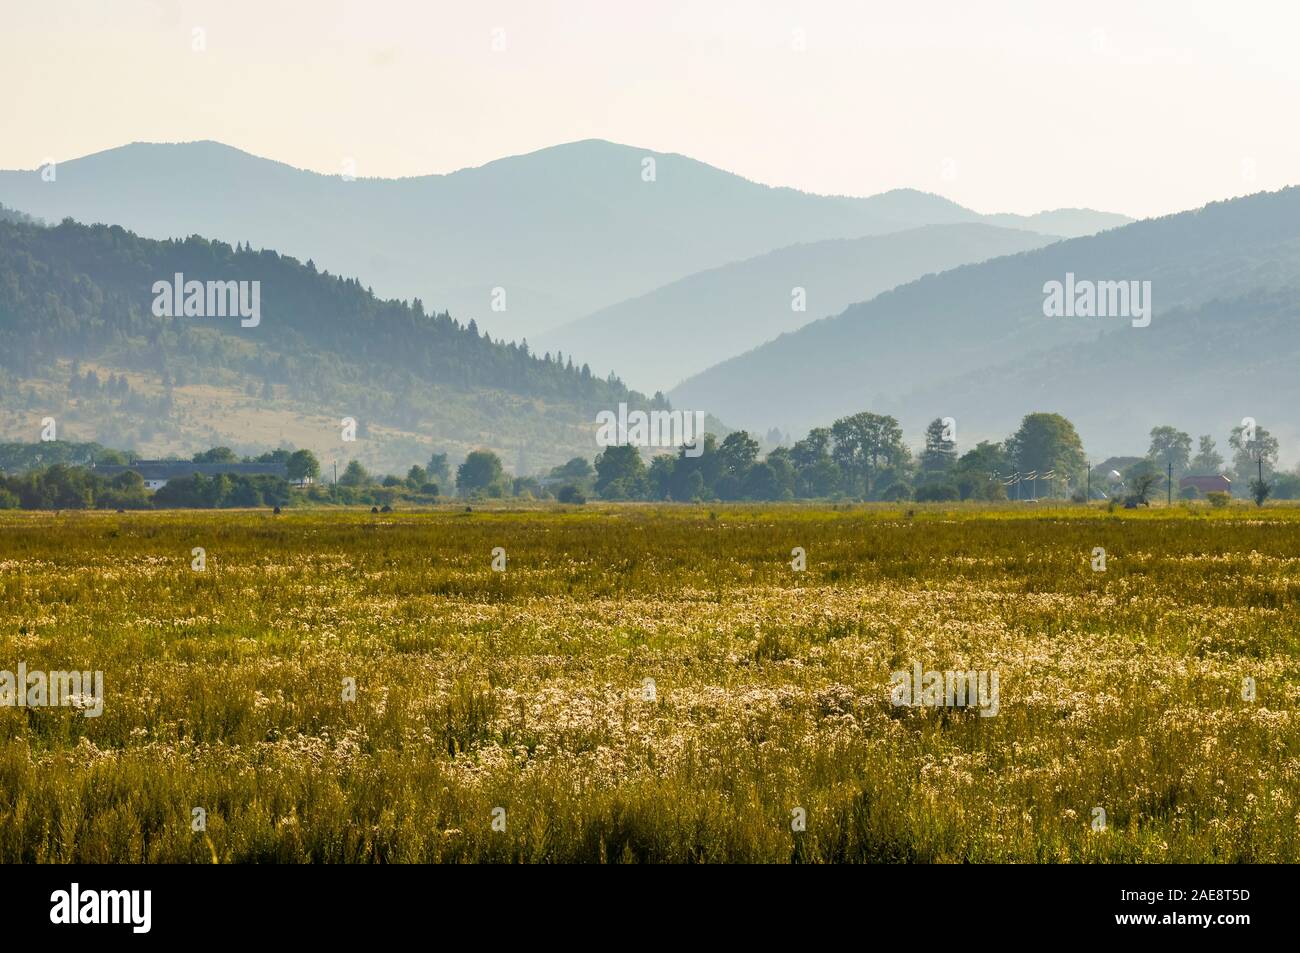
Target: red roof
<point>1206,484</point>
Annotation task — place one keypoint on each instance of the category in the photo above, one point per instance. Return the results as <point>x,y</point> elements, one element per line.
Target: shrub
<point>896,492</point>
<point>1218,498</point>
<point>1189,493</point>
<point>937,493</point>
<point>570,493</point>
<point>1286,486</point>
<point>621,489</point>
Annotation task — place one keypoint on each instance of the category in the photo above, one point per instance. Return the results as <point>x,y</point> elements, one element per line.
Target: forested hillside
<point>954,343</point>
<point>324,346</point>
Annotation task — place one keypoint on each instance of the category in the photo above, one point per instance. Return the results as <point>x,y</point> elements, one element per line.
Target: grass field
<point>525,690</point>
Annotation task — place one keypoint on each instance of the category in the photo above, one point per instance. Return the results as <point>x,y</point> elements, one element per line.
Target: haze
<point>1014,107</point>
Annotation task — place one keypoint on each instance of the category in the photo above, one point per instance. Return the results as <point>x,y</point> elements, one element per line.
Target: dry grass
<point>524,690</point>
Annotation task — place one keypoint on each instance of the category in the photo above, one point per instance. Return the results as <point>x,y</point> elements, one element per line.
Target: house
<point>1212,483</point>
<point>156,473</point>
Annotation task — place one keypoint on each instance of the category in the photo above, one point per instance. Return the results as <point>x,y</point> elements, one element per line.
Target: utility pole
<point>1169,489</point>
<point>1088,496</point>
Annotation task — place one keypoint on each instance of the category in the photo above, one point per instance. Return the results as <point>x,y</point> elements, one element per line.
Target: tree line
<point>859,457</point>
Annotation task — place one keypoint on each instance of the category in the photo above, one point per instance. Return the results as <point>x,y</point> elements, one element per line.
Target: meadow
<point>508,717</point>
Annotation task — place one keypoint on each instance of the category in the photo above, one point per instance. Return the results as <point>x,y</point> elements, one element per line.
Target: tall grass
<point>526,690</point>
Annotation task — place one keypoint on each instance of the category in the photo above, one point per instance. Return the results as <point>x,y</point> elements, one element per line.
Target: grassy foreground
<point>525,690</point>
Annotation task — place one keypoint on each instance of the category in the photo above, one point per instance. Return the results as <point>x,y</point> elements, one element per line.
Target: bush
<point>972,487</point>
<point>222,490</point>
<point>1286,486</point>
<point>117,500</point>
<point>620,489</point>
<point>994,492</point>
<point>1079,496</point>
<point>937,493</point>
<point>1189,493</point>
<point>569,493</point>
<point>527,488</point>
<point>1218,498</point>
<point>896,492</point>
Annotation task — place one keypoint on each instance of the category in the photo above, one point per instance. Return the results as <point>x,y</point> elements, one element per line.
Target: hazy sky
<point>1126,106</point>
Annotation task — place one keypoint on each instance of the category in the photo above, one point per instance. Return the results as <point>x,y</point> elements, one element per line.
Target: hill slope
<point>658,339</point>
<point>325,348</point>
<point>903,351</point>
<point>1202,369</point>
<point>565,230</point>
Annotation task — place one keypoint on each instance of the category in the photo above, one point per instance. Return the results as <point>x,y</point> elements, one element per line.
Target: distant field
<point>1121,690</point>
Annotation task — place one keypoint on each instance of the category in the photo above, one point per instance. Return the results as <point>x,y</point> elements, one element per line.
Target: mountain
<point>949,344</point>
<point>1203,368</point>
<point>657,339</point>
<point>13,215</point>
<point>564,231</point>
<point>1066,222</point>
<point>86,338</point>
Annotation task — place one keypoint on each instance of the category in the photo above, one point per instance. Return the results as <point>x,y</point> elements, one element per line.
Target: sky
<point>1135,107</point>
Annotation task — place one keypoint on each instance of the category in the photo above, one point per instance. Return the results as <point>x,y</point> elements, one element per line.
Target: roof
<point>1116,463</point>
<point>1208,481</point>
<point>175,469</point>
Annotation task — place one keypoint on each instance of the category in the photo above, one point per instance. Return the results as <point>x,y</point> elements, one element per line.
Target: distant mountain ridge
<point>549,236</point>
<point>1065,222</point>
<point>657,339</point>
<point>945,344</point>
<point>1203,369</point>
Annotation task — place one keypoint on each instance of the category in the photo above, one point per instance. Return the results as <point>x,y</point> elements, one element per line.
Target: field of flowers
<point>653,683</point>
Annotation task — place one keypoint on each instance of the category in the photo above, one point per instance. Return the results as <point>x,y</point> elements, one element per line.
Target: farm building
<point>1212,483</point>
